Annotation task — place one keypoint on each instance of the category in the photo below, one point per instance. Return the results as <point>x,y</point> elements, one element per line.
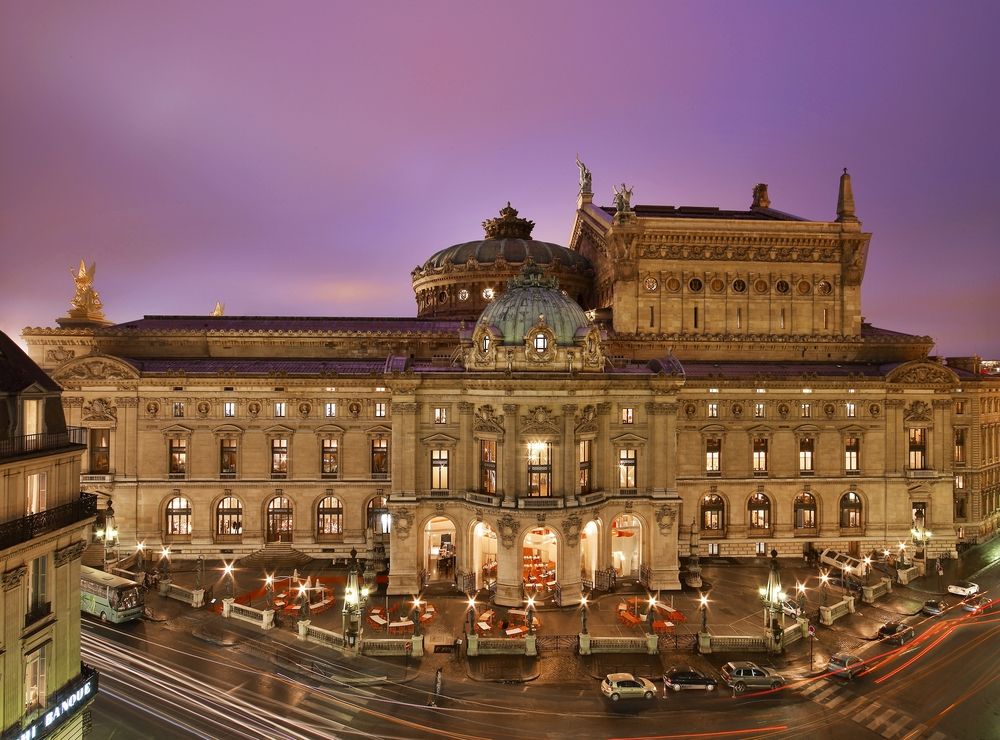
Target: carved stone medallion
<point>507,527</point>
<point>666,515</point>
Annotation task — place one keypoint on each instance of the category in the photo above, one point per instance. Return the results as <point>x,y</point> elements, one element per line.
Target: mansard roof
<point>18,372</point>
<point>707,212</point>
<point>289,324</point>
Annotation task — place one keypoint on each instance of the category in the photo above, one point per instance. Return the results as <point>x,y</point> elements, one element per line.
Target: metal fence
<point>557,643</point>
<point>739,644</point>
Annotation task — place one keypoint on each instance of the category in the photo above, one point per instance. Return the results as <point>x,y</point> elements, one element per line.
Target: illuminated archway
<point>626,545</point>
<point>484,554</point>
<point>589,551</point>
<point>539,556</point>
<point>439,549</point>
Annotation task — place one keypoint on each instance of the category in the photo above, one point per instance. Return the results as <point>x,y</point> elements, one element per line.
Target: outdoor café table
<point>426,616</point>
<point>487,615</point>
<point>518,613</point>
<point>377,620</point>
<point>662,627</point>
<point>483,627</point>
<point>403,625</point>
<point>516,631</point>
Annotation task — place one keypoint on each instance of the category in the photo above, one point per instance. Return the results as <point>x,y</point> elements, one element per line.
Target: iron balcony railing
<point>30,444</point>
<point>21,530</point>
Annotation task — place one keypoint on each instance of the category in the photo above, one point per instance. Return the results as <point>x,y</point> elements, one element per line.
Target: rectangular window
<point>917,448</point>
<point>806,448</point>
<point>229,409</point>
<point>279,458</point>
<point>960,447</point>
<point>179,409</point>
<point>713,548</point>
<point>584,452</point>
<point>739,318</point>
<point>227,458</point>
<point>488,466</point>
<point>713,451</point>
<point>37,493</point>
<point>380,459</point>
<point>35,691</point>
<point>959,407</point>
<point>279,409</point>
<point>331,409</point>
<point>627,417</point>
<point>100,451</point>
<point>806,410</point>
<point>331,458</point>
<point>713,411</point>
<point>758,410</point>
<point>959,482</point>
<point>626,469</point>
<point>540,469</point>
<point>37,584</point>
<point>781,322</point>
<point>851,409</point>
<point>178,458</point>
<point>439,470</point>
<point>826,318</point>
<point>440,415</point>
<point>760,455</point>
<point>761,548</point>
<point>380,408</point>
<point>852,455</point>
<point>695,317</point>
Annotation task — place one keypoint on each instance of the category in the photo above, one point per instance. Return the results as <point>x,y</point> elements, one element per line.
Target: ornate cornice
<point>12,578</point>
<point>72,552</point>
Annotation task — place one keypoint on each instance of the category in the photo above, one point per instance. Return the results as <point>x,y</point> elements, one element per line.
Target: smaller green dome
<point>532,300</point>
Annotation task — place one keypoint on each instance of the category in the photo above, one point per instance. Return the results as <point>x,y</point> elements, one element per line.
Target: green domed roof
<point>528,297</point>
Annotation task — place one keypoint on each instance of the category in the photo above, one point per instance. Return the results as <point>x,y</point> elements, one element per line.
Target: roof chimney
<point>845,200</point>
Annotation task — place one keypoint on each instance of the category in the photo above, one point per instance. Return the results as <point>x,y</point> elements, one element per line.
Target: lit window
<point>713,390</point>
<point>852,454</point>
<point>440,415</point>
<point>713,410</point>
<point>380,459</point>
<point>35,690</point>
<point>279,458</point>
<point>713,548</point>
<point>439,470</point>
<point>959,407</point>
<point>850,510</point>
<point>759,509</point>
<point>759,455</point>
<point>917,458</point>
<point>959,482</point>
<point>584,454</point>
<point>626,469</point>
<point>713,451</point>
<point>37,493</point>
<point>806,446</point>
<point>330,516</point>
<point>178,516</point>
<point>760,548</point>
<point>485,344</point>
<point>331,409</point>
<point>229,516</point>
<point>851,409</point>
<point>100,451</point>
<point>229,409</point>
<point>178,409</point>
<point>380,389</point>
<point>227,458</point>
<point>330,458</point>
<point>487,466</point>
<point>541,342</point>
<point>758,410</point>
<point>627,416</point>
<point>178,458</point>
<point>806,410</point>
<point>380,409</point>
<point>540,469</point>
<point>960,447</point>
<point>279,409</point>
<point>713,511</point>
<point>805,511</point>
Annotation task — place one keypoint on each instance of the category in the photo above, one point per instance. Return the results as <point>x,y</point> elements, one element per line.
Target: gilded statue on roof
<point>86,303</point>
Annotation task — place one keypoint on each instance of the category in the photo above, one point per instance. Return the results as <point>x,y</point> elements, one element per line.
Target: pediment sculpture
<point>99,409</point>
<point>917,411</point>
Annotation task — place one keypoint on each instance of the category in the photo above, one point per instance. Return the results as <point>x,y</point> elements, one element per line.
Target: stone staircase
<point>276,555</point>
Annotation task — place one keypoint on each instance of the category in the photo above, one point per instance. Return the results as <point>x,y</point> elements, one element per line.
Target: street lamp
<point>165,563</point>
<point>530,615</point>
<point>772,595</point>
<point>921,537</point>
<point>140,558</point>
<point>868,570</point>
<point>703,601</point>
<point>107,533</point>
<point>352,596</point>
<point>902,554</point>
<point>583,615</point>
<point>801,597</point>
<point>269,591</point>
<point>823,581</point>
<point>416,616</point>
<point>227,576</point>
<point>470,614</point>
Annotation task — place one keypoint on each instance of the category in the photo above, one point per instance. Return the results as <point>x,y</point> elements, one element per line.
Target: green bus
<point>110,597</point>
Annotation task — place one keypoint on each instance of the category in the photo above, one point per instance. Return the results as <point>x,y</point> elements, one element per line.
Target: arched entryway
<point>626,545</point>
<point>279,519</point>
<point>378,520</point>
<point>539,553</point>
<point>439,549</point>
<point>589,551</point>
<point>484,554</point>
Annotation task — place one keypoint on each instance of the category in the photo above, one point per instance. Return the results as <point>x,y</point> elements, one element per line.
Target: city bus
<point>110,597</point>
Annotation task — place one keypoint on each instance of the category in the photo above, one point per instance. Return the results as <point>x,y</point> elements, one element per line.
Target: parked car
<point>677,679</point>
<point>791,608</point>
<point>844,584</point>
<point>845,665</point>
<point>963,588</point>
<point>742,674</point>
<point>895,632</point>
<point>978,604</point>
<point>626,686</point>
<point>933,607</point>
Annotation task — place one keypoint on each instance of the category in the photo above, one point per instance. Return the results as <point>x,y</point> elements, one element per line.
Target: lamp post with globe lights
<point>824,580</point>
<point>703,605</point>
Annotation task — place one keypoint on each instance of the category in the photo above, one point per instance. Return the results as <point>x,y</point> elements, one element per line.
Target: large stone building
<point>44,528</point>
<point>553,414</point>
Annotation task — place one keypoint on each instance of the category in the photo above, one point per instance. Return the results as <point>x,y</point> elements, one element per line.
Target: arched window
<point>805,511</point>
<point>178,516</point>
<point>541,342</point>
<point>850,510</point>
<point>279,519</point>
<point>486,343</point>
<point>229,516</point>
<point>330,516</point>
<point>379,519</point>
<point>713,512</point>
<point>759,509</point>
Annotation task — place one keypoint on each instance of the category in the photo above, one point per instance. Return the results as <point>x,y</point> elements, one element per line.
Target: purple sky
<point>302,159</point>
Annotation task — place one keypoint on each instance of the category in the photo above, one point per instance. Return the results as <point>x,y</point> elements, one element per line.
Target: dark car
<point>895,632</point>
<point>677,679</point>
<point>844,584</point>
<point>742,674</point>
<point>933,607</point>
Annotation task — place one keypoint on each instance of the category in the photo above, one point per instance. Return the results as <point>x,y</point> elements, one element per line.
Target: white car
<point>963,588</point>
<point>626,686</point>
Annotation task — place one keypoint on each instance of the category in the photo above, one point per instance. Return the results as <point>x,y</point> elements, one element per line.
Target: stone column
<point>655,462</point>
<point>602,463</point>
<point>664,526</point>
<point>669,410</point>
<point>895,438</point>
<point>465,453</point>
<point>509,561</point>
<point>509,473</point>
<point>404,447</point>
<point>570,479</point>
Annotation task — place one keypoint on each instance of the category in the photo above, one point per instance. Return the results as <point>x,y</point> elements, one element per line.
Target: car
<point>978,604</point>
<point>742,674</point>
<point>677,679</point>
<point>844,584</point>
<point>963,588</point>
<point>895,632</point>
<point>845,665</point>
<point>791,608</point>
<point>933,607</point>
<point>617,686</point>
